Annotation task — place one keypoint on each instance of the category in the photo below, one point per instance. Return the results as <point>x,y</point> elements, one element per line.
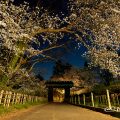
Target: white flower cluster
<point>102,19</point>
<point>18,23</point>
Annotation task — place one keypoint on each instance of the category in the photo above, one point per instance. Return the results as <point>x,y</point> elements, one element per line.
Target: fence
<point>106,100</point>
<point>8,98</point>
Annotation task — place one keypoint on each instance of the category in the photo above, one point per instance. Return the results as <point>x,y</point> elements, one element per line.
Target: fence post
<point>13,98</point>
<point>5,98</point>
<point>72,99</point>
<point>79,100</point>
<point>1,95</point>
<point>19,97</point>
<point>102,99</point>
<point>33,98</point>
<point>75,100</point>
<point>108,98</point>
<point>9,98</point>
<point>16,98</point>
<point>84,99</point>
<point>24,98</point>
<point>92,99</point>
<point>117,100</point>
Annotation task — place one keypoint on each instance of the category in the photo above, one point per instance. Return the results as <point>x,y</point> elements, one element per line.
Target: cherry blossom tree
<point>92,23</point>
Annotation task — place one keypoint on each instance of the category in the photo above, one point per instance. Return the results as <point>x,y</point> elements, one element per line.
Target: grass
<point>5,110</point>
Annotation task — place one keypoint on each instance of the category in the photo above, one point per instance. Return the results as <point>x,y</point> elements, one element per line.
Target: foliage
<point>114,87</point>
<point>81,77</point>
<point>39,77</point>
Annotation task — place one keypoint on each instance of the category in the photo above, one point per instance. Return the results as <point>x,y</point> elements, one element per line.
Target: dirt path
<point>60,112</point>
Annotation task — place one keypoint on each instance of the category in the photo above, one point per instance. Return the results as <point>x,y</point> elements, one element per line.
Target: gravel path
<point>60,112</point>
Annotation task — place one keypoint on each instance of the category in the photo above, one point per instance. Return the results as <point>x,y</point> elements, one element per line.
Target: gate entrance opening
<point>58,95</point>
<point>66,85</point>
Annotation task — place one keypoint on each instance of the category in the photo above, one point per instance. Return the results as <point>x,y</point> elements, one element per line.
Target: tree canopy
<point>92,23</point>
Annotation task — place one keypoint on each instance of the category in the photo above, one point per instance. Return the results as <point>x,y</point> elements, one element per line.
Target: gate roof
<point>59,84</point>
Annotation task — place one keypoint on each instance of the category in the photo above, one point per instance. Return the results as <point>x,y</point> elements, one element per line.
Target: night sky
<point>73,57</point>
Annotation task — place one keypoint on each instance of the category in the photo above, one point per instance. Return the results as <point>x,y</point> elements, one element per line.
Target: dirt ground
<point>57,112</point>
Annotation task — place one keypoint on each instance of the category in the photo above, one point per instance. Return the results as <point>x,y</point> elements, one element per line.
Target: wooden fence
<point>106,100</point>
<point>8,98</point>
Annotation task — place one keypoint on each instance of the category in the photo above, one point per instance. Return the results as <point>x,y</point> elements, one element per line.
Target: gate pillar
<point>50,94</point>
<point>67,94</point>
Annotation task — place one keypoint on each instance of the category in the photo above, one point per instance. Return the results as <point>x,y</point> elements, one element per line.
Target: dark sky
<point>52,5</point>
<point>73,57</point>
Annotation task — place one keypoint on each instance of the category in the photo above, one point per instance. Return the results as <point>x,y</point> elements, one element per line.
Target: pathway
<point>61,112</point>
